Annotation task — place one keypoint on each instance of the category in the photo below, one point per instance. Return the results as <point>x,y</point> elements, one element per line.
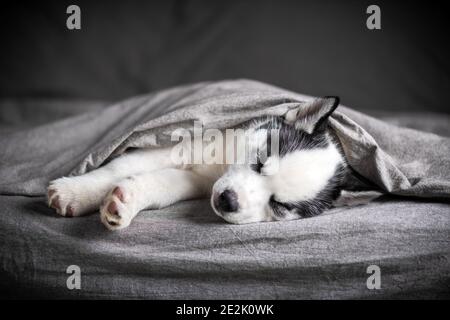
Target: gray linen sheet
<point>185,251</point>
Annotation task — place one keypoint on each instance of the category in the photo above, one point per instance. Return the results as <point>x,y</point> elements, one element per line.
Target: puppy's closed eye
<point>257,167</point>
<point>280,209</point>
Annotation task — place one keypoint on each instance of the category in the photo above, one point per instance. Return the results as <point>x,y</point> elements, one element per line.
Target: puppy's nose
<point>228,201</point>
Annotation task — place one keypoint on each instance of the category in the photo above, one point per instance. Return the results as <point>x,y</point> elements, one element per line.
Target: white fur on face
<point>297,176</point>
<point>253,194</point>
<point>303,174</point>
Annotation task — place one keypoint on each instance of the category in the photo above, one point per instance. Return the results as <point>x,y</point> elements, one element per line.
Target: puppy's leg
<point>75,196</point>
<point>152,190</point>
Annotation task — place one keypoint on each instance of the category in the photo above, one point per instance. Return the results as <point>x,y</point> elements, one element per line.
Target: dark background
<point>314,47</point>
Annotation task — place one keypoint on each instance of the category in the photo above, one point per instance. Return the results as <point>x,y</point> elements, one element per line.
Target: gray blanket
<point>400,161</point>
<point>185,251</point>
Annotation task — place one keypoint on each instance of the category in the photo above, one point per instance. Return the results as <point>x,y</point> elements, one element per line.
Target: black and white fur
<point>309,175</point>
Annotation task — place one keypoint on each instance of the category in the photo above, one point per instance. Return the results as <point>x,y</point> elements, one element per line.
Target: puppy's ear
<point>313,115</point>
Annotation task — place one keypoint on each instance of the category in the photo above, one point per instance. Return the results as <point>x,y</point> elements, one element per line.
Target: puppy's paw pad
<point>54,201</point>
<point>57,201</point>
<point>119,207</point>
<point>70,211</point>
<point>112,209</point>
<point>118,192</point>
<point>113,220</point>
<point>50,193</point>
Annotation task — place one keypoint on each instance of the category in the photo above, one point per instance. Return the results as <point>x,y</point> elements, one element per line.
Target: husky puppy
<point>301,179</point>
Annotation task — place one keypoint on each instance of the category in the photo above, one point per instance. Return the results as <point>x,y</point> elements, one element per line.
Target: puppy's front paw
<point>118,208</point>
<point>70,197</point>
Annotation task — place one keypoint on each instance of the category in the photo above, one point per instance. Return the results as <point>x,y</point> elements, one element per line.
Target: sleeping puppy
<point>293,168</point>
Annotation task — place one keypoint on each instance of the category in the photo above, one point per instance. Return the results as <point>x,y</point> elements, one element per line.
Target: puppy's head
<point>293,168</point>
